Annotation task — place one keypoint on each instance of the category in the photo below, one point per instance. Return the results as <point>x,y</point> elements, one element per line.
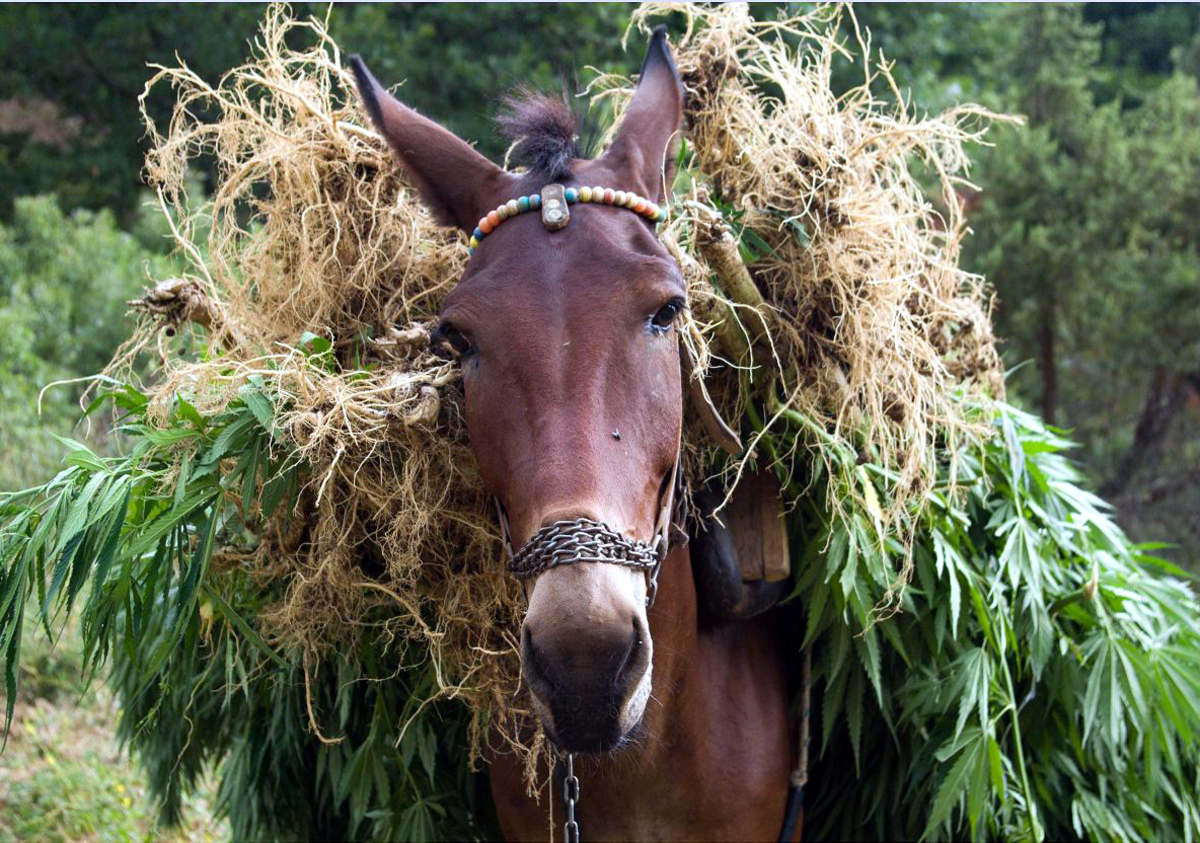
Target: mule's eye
<point>450,341</point>
<point>665,315</point>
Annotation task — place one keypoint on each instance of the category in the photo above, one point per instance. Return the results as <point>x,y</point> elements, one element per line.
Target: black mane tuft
<point>544,130</point>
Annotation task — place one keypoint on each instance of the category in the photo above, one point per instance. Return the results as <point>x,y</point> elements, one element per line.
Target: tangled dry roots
<point>312,234</point>
<point>856,326</point>
<point>859,330</point>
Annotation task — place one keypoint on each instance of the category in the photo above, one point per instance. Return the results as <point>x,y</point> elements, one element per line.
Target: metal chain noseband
<point>583,540</point>
<point>570,798</point>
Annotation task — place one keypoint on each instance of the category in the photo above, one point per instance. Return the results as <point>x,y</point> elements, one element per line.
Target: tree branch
<point>1165,397</point>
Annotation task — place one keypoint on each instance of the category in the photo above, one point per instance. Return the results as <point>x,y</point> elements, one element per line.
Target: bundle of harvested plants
<point>296,571</point>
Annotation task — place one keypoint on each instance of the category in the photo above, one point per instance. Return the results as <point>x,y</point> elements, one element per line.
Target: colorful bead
<point>470,251</point>
<point>532,202</point>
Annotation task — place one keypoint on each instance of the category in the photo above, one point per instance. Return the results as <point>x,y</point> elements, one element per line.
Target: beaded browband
<point>553,202</point>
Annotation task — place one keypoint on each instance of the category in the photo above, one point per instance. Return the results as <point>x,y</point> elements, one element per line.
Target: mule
<point>574,407</point>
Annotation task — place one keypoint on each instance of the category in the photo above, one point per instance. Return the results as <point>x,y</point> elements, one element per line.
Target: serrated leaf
<point>81,455</point>
<point>189,413</point>
<point>11,660</point>
<point>854,715</point>
<point>996,767</point>
<point>243,627</point>
<point>815,612</point>
<point>831,706</point>
<point>950,793</point>
<point>263,410</point>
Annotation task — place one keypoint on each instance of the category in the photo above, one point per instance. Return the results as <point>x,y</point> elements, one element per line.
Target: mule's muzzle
<point>587,682</point>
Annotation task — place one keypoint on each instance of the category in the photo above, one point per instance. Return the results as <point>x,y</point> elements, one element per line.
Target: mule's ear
<point>454,180</point>
<point>645,146</point>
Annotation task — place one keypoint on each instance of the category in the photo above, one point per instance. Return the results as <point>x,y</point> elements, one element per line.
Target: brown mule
<point>574,401</point>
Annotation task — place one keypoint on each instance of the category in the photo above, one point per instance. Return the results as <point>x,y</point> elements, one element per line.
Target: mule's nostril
<point>531,659</point>
<point>582,677</point>
<point>632,660</point>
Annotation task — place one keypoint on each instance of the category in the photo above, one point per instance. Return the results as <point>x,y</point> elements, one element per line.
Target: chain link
<point>582,540</point>
<point>570,797</point>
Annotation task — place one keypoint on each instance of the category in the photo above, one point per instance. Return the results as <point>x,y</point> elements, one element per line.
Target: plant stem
<point>843,450</point>
<point>1016,717</point>
<point>768,442</point>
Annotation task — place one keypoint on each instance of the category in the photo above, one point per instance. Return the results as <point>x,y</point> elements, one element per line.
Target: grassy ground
<point>63,777</point>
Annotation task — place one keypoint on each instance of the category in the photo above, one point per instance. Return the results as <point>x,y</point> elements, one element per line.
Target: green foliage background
<point>1043,678</point>
<point>64,280</point>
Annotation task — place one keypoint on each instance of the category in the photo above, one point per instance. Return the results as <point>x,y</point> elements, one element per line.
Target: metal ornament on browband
<point>554,202</point>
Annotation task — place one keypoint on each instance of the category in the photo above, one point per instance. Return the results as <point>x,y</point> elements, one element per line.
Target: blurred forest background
<point>1085,224</point>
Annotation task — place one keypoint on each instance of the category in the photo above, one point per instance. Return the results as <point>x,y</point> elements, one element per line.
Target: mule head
<point>571,374</point>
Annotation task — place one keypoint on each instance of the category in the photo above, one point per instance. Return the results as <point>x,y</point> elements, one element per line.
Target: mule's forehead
<point>605,250</point>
